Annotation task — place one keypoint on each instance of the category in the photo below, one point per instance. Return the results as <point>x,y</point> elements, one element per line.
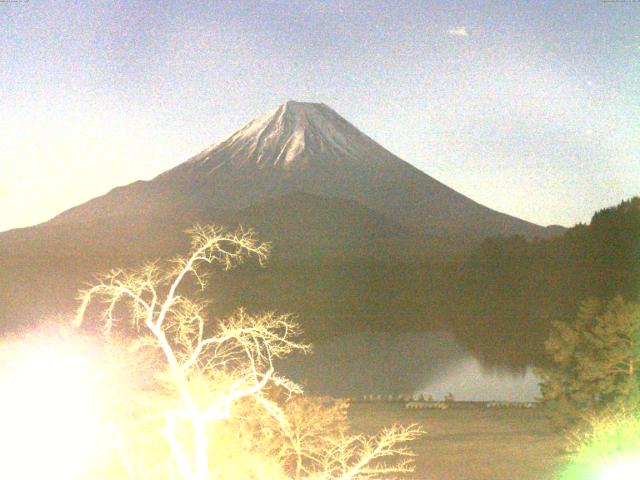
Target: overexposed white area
<point>620,469</point>
<point>49,414</point>
<point>469,380</point>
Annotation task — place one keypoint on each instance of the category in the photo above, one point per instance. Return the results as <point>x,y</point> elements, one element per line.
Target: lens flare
<point>623,469</point>
<point>49,412</point>
<point>608,450</point>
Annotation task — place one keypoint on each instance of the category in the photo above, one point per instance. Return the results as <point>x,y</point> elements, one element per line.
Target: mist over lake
<point>429,363</point>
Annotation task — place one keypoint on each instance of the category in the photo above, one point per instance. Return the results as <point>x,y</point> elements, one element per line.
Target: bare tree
<point>212,377</point>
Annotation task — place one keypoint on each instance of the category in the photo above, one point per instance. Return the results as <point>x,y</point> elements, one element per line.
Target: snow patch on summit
<point>294,134</point>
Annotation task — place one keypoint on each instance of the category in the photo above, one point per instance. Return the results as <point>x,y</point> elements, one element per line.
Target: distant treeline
<point>512,288</point>
<point>499,301</point>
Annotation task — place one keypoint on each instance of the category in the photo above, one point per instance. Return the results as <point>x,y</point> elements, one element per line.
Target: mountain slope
<point>297,224</point>
<point>362,240</point>
<point>309,148</point>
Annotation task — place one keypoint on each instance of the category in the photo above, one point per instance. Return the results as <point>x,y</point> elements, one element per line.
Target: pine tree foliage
<point>595,361</point>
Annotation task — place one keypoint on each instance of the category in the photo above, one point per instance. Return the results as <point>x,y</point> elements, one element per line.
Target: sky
<point>530,108</point>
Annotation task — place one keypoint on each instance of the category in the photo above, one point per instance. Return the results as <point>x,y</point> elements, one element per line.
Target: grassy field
<point>471,444</point>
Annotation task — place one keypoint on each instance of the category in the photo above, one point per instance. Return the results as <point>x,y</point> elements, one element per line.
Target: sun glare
<point>622,469</point>
<point>49,412</point>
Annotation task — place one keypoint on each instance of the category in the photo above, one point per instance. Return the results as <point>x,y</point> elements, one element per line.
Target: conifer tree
<point>596,361</point>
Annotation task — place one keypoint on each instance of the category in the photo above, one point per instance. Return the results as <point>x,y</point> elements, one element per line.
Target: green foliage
<point>611,442</point>
<point>596,361</point>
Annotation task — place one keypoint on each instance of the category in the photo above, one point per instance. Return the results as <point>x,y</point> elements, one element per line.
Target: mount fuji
<point>348,220</point>
<point>293,153</point>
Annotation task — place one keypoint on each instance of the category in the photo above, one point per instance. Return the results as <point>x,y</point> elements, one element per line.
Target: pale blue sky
<point>531,108</point>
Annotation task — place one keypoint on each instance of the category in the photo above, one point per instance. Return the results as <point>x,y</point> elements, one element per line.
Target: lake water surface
<point>430,363</point>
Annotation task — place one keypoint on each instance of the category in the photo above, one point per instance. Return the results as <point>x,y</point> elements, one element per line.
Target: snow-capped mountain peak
<point>308,148</point>
<point>290,136</point>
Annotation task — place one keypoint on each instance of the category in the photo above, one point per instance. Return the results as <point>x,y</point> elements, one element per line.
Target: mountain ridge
<point>306,147</point>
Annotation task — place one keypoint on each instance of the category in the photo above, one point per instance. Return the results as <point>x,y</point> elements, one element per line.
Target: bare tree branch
<point>208,373</point>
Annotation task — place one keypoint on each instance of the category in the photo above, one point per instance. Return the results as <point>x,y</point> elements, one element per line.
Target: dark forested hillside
<point>513,288</point>
<point>499,301</point>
